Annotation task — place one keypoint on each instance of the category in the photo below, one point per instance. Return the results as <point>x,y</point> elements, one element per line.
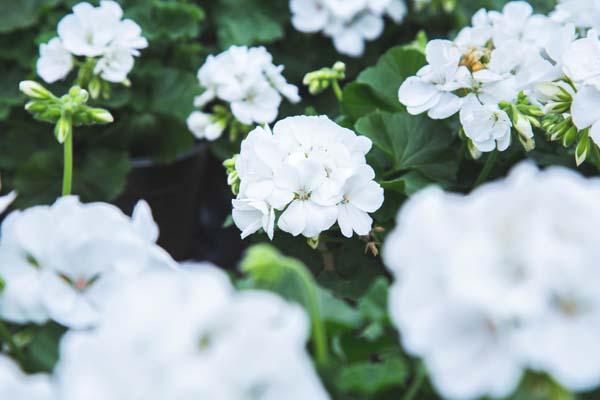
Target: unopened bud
<point>79,95</point>
<point>100,116</point>
<point>63,128</point>
<point>582,150</point>
<point>95,87</point>
<point>35,91</point>
<point>570,136</point>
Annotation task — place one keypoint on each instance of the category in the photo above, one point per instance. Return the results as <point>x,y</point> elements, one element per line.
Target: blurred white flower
<point>61,262</point>
<point>188,335</point>
<point>500,281</point>
<point>204,125</point>
<point>312,170</point>
<point>582,13</point>
<point>15,385</point>
<point>55,61</point>
<point>350,23</point>
<point>248,81</point>
<point>94,32</point>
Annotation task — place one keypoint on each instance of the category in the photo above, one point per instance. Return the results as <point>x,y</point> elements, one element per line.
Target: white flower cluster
<point>248,81</point>
<point>488,65</point>
<point>188,336</point>
<point>311,170</point>
<point>500,281</point>
<point>93,32</point>
<point>348,22</point>
<point>581,13</point>
<point>61,262</point>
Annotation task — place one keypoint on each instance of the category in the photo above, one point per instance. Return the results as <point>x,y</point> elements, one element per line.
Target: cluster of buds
<point>524,117</point>
<point>559,125</point>
<point>320,80</point>
<point>65,112</point>
<point>233,179</point>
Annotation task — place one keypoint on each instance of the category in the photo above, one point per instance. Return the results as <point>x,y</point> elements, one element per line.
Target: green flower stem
<point>318,328</point>
<point>337,90</point>
<point>68,166</point>
<point>6,337</point>
<point>416,384</point>
<point>487,168</point>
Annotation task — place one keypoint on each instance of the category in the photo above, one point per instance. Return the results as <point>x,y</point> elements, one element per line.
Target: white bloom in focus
<point>312,210</point>
<point>188,335</point>
<point>486,125</point>
<point>204,126</point>
<point>61,262</point>
<point>16,385</point>
<point>252,215</point>
<point>361,196</point>
<point>585,111</point>
<point>312,170</point>
<point>499,281</point>
<point>260,104</point>
<point>432,89</point>
<point>55,61</point>
<point>581,61</point>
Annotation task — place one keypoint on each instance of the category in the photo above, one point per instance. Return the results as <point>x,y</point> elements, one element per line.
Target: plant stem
<point>337,90</point>
<point>487,168</point>
<point>6,337</point>
<point>318,328</point>
<point>68,166</point>
<point>416,384</point>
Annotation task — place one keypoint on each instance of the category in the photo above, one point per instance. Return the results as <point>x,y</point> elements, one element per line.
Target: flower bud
<point>79,95</point>
<point>582,150</point>
<point>570,136</point>
<point>36,106</point>
<point>34,90</point>
<point>95,87</point>
<point>63,128</point>
<point>100,116</point>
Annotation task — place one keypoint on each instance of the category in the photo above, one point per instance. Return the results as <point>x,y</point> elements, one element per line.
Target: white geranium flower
<point>61,262</point>
<point>260,104</point>
<point>361,196</point>
<point>252,215</point>
<point>311,210</point>
<point>486,288</point>
<point>96,32</point>
<point>55,61</point>
<point>312,170</point>
<point>348,22</point>
<point>486,125</point>
<point>248,81</point>
<point>585,111</point>
<point>582,13</point>
<point>432,89</point>
<point>205,126</point>
<point>115,64</point>
<point>15,385</point>
<point>194,337</point>
<point>581,61</point>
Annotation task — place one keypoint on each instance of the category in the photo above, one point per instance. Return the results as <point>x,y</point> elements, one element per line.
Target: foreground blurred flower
<point>189,335</point>
<point>60,262</point>
<point>15,385</point>
<point>313,171</point>
<point>500,281</point>
<point>108,42</point>
<point>248,82</point>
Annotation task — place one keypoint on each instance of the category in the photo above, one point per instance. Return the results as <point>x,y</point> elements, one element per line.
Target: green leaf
<point>38,180</point>
<point>22,13</point>
<point>248,22</point>
<point>412,143</point>
<point>173,20</point>
<point>42,353</point>
<point>373,307</point>
<point>102,175</point>
<point>337,313</point>
<point>367,378</point>
<point>359,100</point>
<point>408,184</point>
<point>391,70</point>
